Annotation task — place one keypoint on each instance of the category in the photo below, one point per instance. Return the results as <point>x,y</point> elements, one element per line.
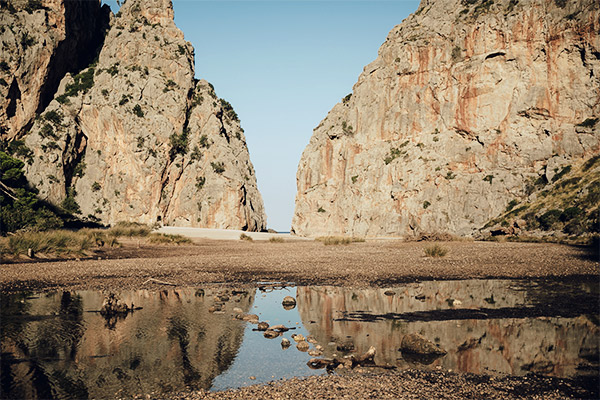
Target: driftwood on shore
<point>158,282</point>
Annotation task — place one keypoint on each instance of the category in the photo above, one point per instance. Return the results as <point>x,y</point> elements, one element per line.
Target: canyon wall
<point>134,136</point>
<point>469,104</point>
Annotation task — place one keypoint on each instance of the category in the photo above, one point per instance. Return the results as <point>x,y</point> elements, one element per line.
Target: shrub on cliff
<point>20,206</point>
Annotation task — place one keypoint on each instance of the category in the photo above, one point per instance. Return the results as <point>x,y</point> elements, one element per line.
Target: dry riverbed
<point>382,263</point>
<point>372,263</point>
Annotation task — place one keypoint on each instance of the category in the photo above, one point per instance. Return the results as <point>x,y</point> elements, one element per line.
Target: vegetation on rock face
<point>567,207</point>
<point>82,83</point>
<point>228,110</point>
<point>20,206</point>
<point>179,144</point>
<point>218,167</point>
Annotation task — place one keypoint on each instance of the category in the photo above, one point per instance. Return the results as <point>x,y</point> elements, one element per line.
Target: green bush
<point>200,181</point>
<point>137,110</point>
<point>549,219</point>
<point>82,82</point>
<point>218,167</point>
<point>511,204</point>
<point>179,144</point>
<point>565,170</point>
<point>228,110</point>
<point>20,206</point>
<point>69,204</point>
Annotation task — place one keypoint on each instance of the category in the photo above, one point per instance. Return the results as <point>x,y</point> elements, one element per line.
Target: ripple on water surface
<point>57,345</point>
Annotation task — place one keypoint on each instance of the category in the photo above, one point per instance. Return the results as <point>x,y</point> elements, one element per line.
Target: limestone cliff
<point>40,41</point>
<point>468,103</point>
<point>135,137</point>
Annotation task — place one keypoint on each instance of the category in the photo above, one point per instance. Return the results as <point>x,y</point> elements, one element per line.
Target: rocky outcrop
<point>135,137</point>
<point>40,41</point>
<point>467,105</point>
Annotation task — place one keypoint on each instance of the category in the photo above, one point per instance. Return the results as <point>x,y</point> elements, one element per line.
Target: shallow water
<point>57,345</point>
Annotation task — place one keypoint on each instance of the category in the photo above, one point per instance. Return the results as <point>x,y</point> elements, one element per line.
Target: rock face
<point>135,137</point>
<point>468,103</point>
<point>40,42</point>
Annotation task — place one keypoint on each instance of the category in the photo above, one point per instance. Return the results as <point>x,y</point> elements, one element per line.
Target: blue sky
<point>283,64</point>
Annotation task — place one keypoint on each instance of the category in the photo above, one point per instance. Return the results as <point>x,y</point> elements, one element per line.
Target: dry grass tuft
<point>335,240</point>
<point>435,251</point>
<point>275,239</point>
<point>243,236</point>
<point>129,229</point>
<point>59,242</point>
<point>167,238</point>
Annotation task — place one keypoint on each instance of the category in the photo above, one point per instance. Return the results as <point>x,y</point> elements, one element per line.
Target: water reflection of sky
<point>264,358</point>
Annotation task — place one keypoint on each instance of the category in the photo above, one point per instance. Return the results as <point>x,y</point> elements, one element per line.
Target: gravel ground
<point>408,384</point>
<point>373,263</point>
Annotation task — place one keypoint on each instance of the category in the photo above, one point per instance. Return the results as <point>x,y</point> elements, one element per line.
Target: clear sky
<point>283,64</point>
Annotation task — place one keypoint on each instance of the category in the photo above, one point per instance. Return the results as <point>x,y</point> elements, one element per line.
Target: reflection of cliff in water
<point>53,348</point>
<point>558,340</point>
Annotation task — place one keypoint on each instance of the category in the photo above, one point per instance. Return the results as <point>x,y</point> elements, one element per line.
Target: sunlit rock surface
<point>467,104</point>
<point>133,136</point>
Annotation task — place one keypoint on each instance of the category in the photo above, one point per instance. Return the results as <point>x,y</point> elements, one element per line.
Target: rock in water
<point>288,302</point>
<point>285,343</point>
<point>414,343</point>
<point>263,326</point>
<point>112,305</point>
<point>269,334</point>
<point>132,137</point>
<point>466,107</point>
<point>303,346</point>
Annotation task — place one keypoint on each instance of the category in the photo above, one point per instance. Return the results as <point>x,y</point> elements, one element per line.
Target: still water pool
<point>57,345</point>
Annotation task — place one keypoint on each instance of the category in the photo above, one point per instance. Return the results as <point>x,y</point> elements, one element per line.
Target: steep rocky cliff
<point>468,105</point>
<point>134,136</point>
<point>40,42</point>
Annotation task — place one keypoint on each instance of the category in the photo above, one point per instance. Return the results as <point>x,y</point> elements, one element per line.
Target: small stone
<point>303,346</point>
<point>389,293</point>
<point>311,339</point>
<point>252,318</point>
<point>285,343</point>
<point>263,326</point>
<point>416,344</point>
<point>288,302</point>
<point>298,337</point>
<point>252,378</point>
<point>314,353</point>
<point>237,310</point>
<point>269,334</point>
